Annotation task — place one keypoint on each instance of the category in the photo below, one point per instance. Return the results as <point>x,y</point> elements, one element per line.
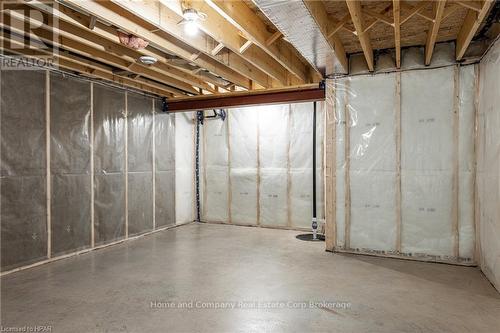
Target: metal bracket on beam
<point>164,105</point>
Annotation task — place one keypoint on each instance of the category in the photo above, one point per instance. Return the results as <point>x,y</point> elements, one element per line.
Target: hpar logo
<point>29,37</point>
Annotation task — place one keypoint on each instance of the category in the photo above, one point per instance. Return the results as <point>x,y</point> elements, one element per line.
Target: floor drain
<point>309,237</point>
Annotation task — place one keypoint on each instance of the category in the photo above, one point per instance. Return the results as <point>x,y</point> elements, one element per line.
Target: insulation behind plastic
<point>372,162</point>
<point>140,163</point>
<point>427,145</point>
<point>109,164</point>
<point>243,124</point>
<point>164,132</point>
<point>184,167</point>
<point>258,166</point>
<point>216,171</point>
<point>489,164</point>
<point>436,137</point>
<point>70,164</point>
<point>25,239</point>
<point>23,172</point>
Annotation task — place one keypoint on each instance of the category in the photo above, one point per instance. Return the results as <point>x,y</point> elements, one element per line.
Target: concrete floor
<point>111,290</point>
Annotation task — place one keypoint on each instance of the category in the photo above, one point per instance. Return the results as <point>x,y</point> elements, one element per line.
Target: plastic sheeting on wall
<point>488,158</point>
<point>184,167</point>
<point>109,164</point>
<point>74,123</point>
<point>70,164</point>
<point>23,168</point>
<point>140,163</point>
<point>164,132</point>
<point>422,209</point>
<point>215,164</point>
<point>258,166</point>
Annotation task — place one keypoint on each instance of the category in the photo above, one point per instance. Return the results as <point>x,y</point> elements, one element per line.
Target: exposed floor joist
<point>85,67</point>
<point>326,25</point>
<point>166,20</point>
<point>364,38</point>
<point>83,46</point>
<point>438,10</point>
<point>245,20</point>
<point>73,22</point>
<point>169,45</point>
<point>470,26</point>
<point>221,30</point>
<point>253,64</point>
<point>396,10</point>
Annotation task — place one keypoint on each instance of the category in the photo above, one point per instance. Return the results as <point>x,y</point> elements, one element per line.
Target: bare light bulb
<point>191,28</point>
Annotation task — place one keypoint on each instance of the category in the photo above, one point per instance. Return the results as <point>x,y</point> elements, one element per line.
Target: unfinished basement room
<point>250,166</point>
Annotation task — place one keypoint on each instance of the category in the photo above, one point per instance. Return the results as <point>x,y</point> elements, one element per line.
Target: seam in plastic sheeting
<point>452,243</point>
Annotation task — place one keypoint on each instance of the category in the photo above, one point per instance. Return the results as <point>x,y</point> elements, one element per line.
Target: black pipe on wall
<point>314,221</point>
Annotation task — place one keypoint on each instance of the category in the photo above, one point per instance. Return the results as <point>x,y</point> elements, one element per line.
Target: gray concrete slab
<point>112,290</point>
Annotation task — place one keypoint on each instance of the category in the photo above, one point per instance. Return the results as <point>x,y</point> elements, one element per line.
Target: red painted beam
<point>240,99</point>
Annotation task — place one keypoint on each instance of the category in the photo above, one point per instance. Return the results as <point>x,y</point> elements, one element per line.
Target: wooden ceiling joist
<point>364,38</point>
<point>325,24</point>
<point>167,45</point>
<point>236,46</point>
<point>255,30</point>
<point>73,23</point>
<point>162,17</point>
<point>438,10</point>
<point>257,65</point>
<point>470,26</point>
<point>83,46</point>
<point>396,10</point>
<point>83,66</point>
<point>76,19</point>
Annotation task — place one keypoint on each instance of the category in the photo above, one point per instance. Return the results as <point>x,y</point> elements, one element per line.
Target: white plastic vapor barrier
<point>404,164</point>
<point>184,167</point>
<point>257,166</point>
<point>488,167</point>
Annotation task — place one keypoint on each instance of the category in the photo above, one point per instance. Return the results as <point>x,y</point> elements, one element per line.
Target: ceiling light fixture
<point>148,60</point>
<point>191,19</point>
